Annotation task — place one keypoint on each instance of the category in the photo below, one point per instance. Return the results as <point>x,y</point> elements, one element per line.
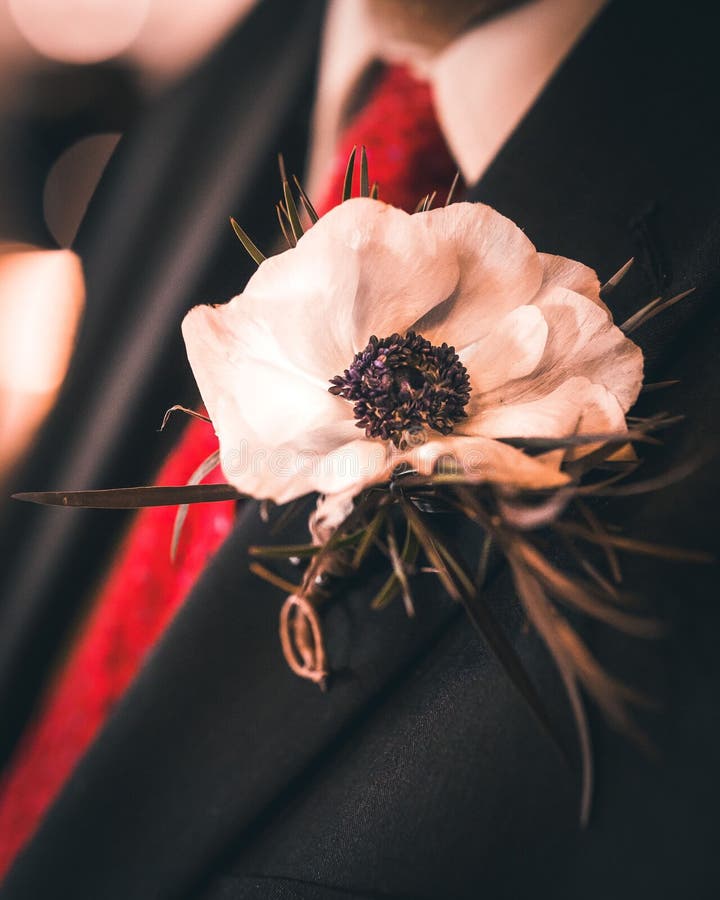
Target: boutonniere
<point>398,366</point>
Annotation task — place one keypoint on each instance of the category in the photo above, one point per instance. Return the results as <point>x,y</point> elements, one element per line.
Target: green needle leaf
<point>368,538</point>
<point>277,580</point>
<point>286,551</point>
<point>364,175</point>
<point>257,255</point>
<point>202,471</point>
<point>287,232</point>
<point>133,497</point>
<point>183,409</point>
<point>309,208</point>
<point>349,172</point>
<point>387,593</point>
<point>292,212</point>
<point>403,563</point>
<point>453,188</point>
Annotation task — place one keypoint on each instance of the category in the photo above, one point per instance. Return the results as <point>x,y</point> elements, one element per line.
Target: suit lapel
<point>614,162</point>
<point>215,730</point>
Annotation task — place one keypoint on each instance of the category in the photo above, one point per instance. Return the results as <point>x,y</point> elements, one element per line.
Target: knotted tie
<point>409,159</point>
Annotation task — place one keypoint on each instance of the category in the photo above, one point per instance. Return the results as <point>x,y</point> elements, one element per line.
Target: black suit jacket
<point>421,773</point>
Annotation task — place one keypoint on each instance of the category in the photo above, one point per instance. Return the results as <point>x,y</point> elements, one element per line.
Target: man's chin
<point>431,25</point>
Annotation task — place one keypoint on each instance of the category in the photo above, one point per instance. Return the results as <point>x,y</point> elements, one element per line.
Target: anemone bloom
<point>387,338</point>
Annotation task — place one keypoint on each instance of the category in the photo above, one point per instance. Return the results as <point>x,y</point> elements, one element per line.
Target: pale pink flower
<point>538,346</point>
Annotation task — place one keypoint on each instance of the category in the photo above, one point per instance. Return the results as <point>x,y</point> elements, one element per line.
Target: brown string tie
<point>301,634</point>
<point>302,641</point>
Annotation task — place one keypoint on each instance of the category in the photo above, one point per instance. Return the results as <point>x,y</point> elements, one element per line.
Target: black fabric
<point>421,774</point>
<point>155,242</point>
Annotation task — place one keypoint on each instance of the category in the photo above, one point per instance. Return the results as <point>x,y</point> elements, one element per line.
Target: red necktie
<point>409,159</point>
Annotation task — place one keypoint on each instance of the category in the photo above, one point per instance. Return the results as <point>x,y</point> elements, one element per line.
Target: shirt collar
<point>483,83</point>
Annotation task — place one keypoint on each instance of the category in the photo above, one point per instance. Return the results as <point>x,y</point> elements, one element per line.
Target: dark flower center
<point>401,384</point>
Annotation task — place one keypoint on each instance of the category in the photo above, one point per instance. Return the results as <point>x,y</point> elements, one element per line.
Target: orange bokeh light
<point>42,294</point>
<point>79,31</point>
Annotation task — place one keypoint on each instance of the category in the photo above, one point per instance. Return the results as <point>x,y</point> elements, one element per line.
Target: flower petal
<point>578,406</point>
<point>353,466</point>
<point>582,341</point>
<point>499,270</point>
<point>543,355</point>
<point>511,350</point>
<point>559,271</point>
<point>364,268</point>
<point>273,403</point>
<point>297,308</point>
<point>406,267</point>
<point>330,512</point>
<point>328,459</point>
<point>483,460</point>
<point>272,425</point>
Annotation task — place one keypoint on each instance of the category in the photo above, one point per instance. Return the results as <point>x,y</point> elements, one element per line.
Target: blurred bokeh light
<point>42,293</point>
<point>79,31</point>
<point>71,183</point>
<point>74,76</point>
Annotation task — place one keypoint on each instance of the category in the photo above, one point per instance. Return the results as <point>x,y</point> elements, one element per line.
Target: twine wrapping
<point>301,635</point>
<point>302,640</point>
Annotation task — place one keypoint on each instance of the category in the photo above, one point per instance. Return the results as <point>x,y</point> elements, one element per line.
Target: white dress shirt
<point>483,83</point>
